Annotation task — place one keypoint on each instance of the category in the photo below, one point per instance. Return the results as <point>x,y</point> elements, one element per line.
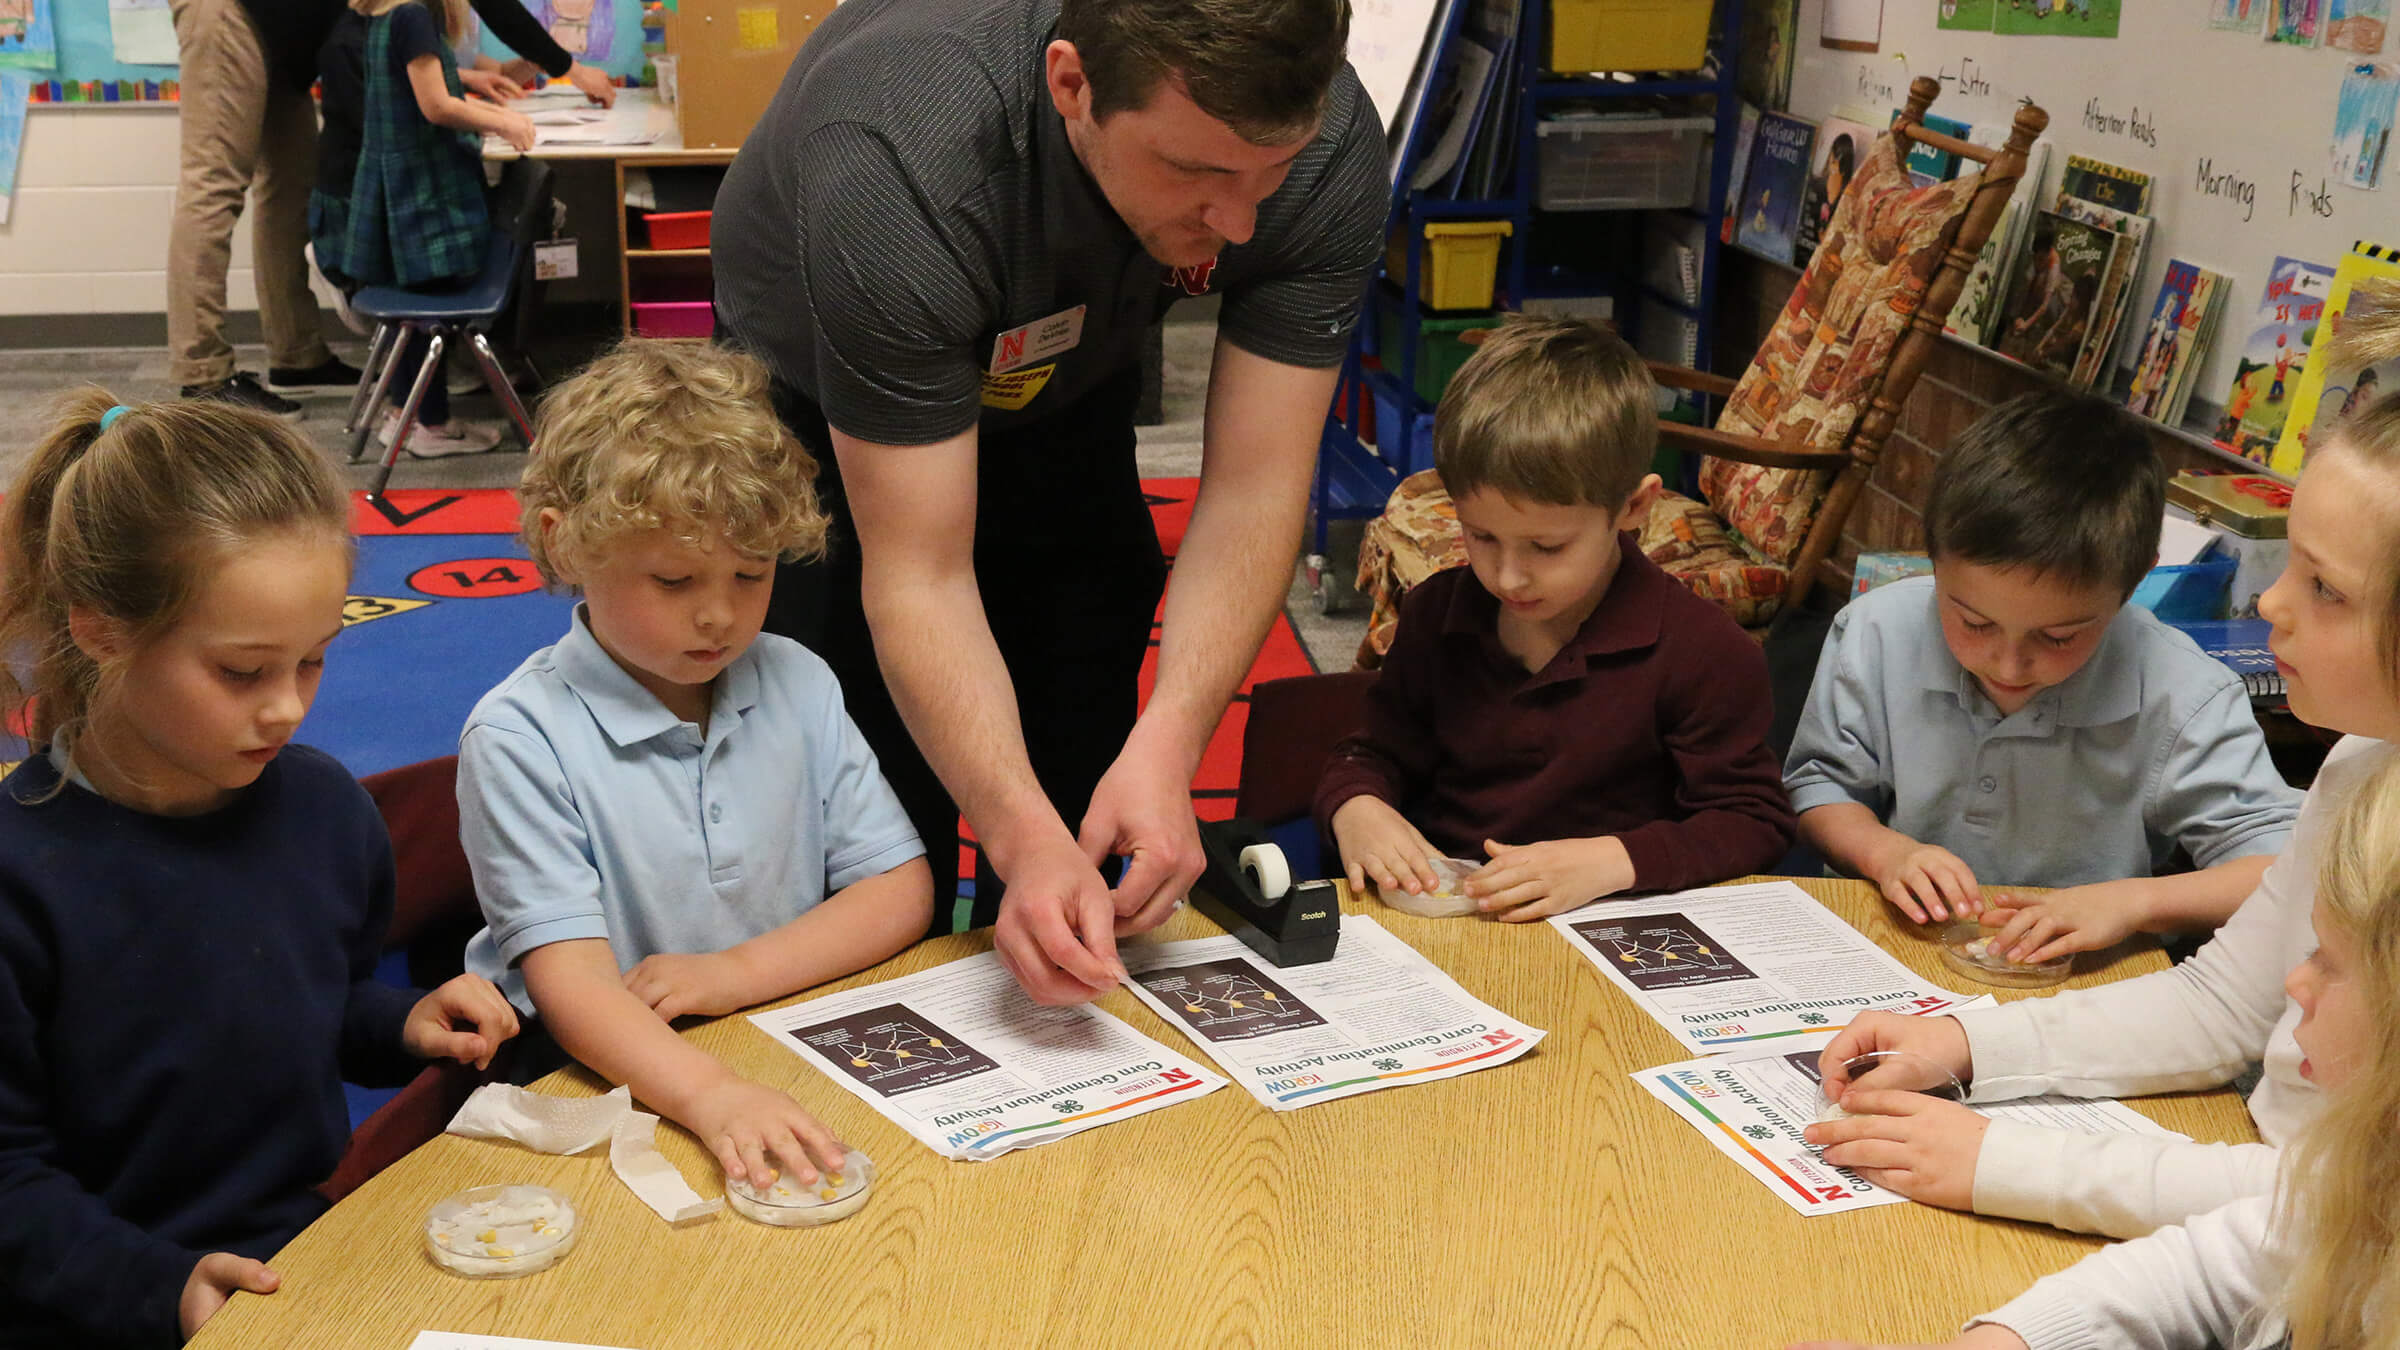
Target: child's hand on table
<point>431,1029</point>
<point>492,84</point>
<point>753,1130</point>
<point>681,984</point>
<point>1534,881</point>
<point>1927,883</point>
<point>1378,844</point>
<point>1906,1142</point>
<point>2038,928</point>
<point>1940,1039</point>
<point>218,1277</point>
<point>516,129</point>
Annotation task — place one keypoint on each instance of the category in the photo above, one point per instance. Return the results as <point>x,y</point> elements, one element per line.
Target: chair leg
<point>378,352</point>
<point>362,424</point>
<point>408,412</point>
<point>501,388</point>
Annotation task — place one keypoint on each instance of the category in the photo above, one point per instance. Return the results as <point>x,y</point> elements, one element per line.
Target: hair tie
<point>109,418</point>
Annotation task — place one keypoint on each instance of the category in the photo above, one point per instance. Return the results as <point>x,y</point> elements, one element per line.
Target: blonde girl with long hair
<point>191,903</point>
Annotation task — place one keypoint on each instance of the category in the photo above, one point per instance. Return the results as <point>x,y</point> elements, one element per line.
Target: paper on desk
<point>1377,1015</point>
<point>2182,541</point>
<point>565,117</point>
<point>960,1058</point>
<point>593,134</point>
<point>1753,1103</point>
<point>468,1340</point>
<point>1729,965</point>
<point>548,1124</point>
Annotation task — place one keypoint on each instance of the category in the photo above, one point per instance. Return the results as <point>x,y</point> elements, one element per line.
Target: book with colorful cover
<point>2054,299</point>
<point>2272,358</point>
<point>1842,145</point>
<point>2175,342</point>
<point>2325,395</point>
<point>1976,316</point>
<point>1927,165</point>
<point>2105,184</point>
<point>1773,188</point>
<point>1744,133</point>
<point>2096,362</point>
<point>1770,36</point>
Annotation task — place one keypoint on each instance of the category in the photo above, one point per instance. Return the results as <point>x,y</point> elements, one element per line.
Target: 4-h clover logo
<point>1066,1108</point>
<point>1387,1065</point>
<point>1758,1131</point>
<point>1813,1019</point>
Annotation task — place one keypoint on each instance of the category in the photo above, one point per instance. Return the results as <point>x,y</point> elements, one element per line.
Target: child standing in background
<point>667,813</point>
<point>191,906</point>
<point>1559,705</point>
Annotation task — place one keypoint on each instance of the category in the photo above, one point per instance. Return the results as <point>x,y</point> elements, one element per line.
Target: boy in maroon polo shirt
<point>1559,704</point>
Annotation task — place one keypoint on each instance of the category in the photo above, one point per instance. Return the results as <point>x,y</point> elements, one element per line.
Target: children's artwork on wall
<point>1966,16</point>
<point>2055,18</point>
<point>142,32</point>
<point>2297,23</point>
<point>28,40</point>
<point>2357,25</point>
<point>1852,25</point>
<point>586,28</point>
<point>2238,16</point>
<point>2362,123</point>
<point>16,89</point>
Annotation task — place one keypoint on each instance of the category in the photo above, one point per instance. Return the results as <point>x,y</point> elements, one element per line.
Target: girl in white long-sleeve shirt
<point>2336,617</point>
<point>2313,1268</point>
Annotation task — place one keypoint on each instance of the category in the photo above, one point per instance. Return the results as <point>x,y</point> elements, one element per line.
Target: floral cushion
<point>1825,358</point>
<point>1690,544</point>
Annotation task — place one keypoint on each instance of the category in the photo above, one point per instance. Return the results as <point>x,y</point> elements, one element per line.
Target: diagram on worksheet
<point>1662,951</point>
<point>893,1049</point>
<point>1228,1000</point>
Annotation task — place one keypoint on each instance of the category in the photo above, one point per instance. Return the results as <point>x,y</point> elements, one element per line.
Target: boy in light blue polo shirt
<point>2010,720</point>
<point>666,812</point>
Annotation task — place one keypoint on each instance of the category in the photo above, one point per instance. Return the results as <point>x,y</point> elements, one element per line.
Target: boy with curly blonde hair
<point>668,813</point>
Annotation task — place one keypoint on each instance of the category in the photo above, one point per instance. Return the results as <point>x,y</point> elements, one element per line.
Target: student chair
<point>1802,430</point>
<point>520,211</point>
<point>1293,726</point>
<point>434,912</point>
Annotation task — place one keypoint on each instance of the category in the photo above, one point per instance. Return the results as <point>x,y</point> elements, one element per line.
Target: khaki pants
<point>242,131</point>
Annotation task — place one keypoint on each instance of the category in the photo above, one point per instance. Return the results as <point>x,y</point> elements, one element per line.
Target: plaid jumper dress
<point>416,215</point>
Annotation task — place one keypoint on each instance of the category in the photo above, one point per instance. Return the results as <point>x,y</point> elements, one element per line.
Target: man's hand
<point>594,83</point>
<point>680,984</point>
<point>1057,928</point>
<point>431,1029</point>
<point>218,1277</point>
<point>1142,812</point>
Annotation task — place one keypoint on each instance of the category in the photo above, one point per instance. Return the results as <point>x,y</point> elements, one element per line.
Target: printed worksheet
<point>960,1058</point>
<point>1377,1015</point>
<point>1732,965</point>
<point>1752,1104</point>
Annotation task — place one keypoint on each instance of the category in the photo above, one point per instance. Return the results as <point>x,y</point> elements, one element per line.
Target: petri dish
<point>787,1204</point>
<point>1444,901</point>
<point>500,1232</point>
<point>1967,948</point>
<point>1897,1070</point>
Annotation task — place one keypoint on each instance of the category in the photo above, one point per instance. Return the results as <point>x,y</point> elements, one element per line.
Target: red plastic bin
<point>677,229</point>
<point>676,307</point>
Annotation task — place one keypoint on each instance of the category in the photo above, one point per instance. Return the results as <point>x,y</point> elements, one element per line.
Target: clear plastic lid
<point>500,1231</point>
<point>1969,948</point>
<point>1896,1071</point>
<point>1446,900</point>
<point>787,1203</point>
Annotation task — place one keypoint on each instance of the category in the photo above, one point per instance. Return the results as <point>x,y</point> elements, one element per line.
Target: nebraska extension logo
<point>1194,279</point>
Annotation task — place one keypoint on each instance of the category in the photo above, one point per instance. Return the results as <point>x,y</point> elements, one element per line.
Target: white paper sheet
<point>1752,1105</point>
<point>1378,1015</point>
<point>1731,965</point>
<point>960,1058</point>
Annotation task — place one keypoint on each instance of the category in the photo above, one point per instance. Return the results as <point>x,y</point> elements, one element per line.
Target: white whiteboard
<point>2237,132</point>
<point>1386,39</point>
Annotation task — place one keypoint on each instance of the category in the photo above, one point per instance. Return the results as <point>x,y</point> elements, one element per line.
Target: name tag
<point>1037,341</point>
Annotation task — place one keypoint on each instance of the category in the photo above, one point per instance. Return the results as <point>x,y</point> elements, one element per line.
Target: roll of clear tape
<point>1265,866</point>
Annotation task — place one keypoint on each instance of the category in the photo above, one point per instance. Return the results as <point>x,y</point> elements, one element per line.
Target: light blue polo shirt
<point>2152,744</point>
<point>590,811</point>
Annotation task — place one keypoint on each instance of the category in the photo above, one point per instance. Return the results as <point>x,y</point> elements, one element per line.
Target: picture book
<point>2054,300</point>
<point>1745,132</point>
<point>2239,16</point>
<point>1926,164</point>
<point>1841,145</point>
<point>2242,645</point>
<point>2323,395</point>
<point>1768,221</point>
<point>2175,341</point>
<point>1975,317</point>
<point>2105,184</point>
<point>2297,23</point>
<point>1763,72</point>
<point>2273,355</point>
<point>2357,25</point>
<point>2362,123</point>
<point>2096,362</point>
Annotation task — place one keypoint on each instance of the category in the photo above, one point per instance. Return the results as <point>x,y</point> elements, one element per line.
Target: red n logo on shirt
<point>1194,279</point>
<point>1012,347</point>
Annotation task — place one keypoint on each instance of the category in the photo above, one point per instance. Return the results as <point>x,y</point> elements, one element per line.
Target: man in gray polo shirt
<point>946,239</point>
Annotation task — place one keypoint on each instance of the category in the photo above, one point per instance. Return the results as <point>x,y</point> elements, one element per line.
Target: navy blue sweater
<point>180,999</point>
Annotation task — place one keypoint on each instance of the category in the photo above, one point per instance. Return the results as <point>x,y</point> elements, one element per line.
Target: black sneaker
<point>244,390</point>
<point>332,372</point>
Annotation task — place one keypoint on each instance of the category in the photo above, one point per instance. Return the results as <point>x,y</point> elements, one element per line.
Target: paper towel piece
<point>563,1125</point>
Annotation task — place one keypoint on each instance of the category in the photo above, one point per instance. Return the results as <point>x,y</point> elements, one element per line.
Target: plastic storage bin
<point>1629,34</point>
<point>2187,593</point>
<point>676,229</point>
<point>1462,262</point>
<point>1622,163</point>
<point>1440,350</point>
<point>1407,449</point>
<point>673,307</point>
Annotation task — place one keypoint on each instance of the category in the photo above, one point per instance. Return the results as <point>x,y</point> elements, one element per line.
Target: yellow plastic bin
<point>1628,34</point>
<point>1462,262</point>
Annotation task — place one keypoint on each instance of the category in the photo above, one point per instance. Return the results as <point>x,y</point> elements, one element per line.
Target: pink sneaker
<point>458,436</point>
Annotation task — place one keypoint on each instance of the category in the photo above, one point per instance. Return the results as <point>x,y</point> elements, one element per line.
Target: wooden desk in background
<point>1546,1202</point>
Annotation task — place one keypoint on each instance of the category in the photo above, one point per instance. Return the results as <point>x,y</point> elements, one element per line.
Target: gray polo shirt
<point>910,197</point>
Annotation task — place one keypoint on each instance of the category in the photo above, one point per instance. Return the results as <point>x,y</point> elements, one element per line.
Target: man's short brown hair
<point>1549,410</point>
<point>1262,67</point>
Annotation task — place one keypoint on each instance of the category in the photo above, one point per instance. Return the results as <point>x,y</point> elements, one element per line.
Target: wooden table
<point>1546,1202</point>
